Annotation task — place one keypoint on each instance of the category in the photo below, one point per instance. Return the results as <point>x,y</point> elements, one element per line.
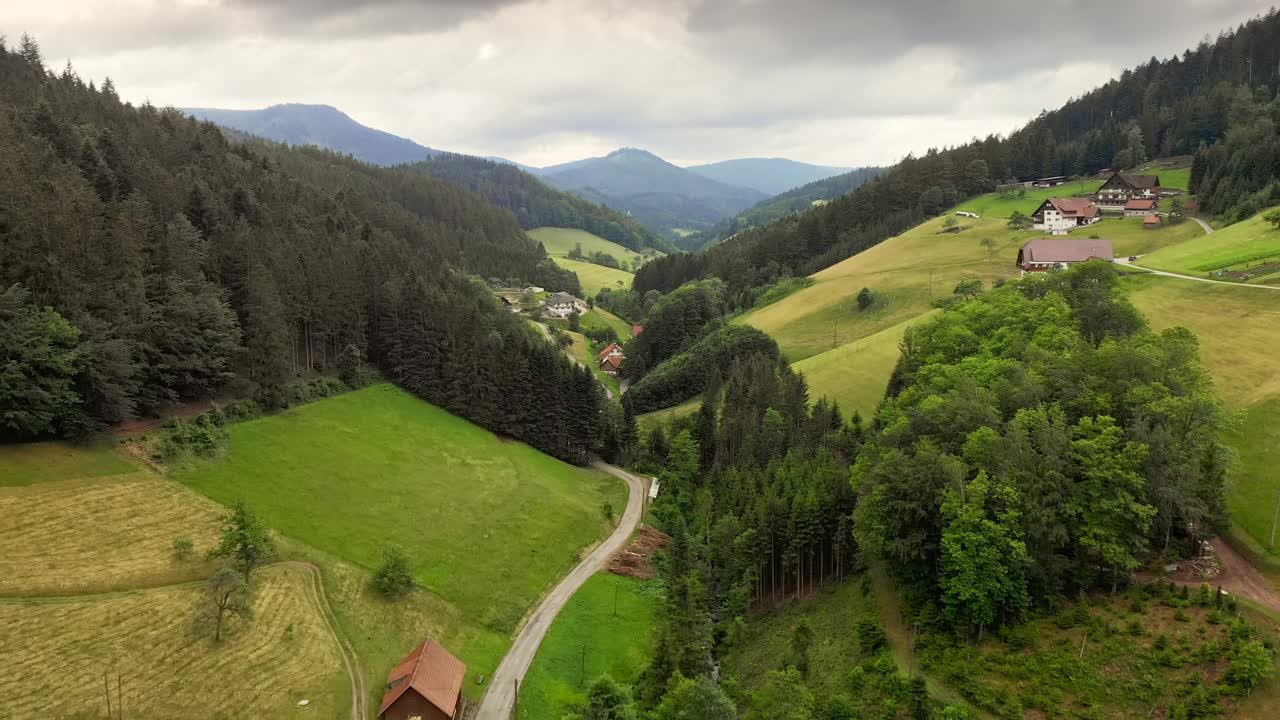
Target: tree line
<point>147,260</point>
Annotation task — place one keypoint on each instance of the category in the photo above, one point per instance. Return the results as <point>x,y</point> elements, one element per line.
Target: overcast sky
<point>839,83</point>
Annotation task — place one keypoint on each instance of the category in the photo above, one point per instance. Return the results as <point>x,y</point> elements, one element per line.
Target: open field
<point>588,640</point>
<point>56,652</point>
<point>1237,247</point>
<point>908,271</point>
<point>1179,178</point>
<point>594,277</point>
<point>648,420</point>
<point>489,524</point>
<point>40,462</point>
<point>1129,237</point>
<point>994,205</point>
<point>101,534</point>
<point>1239,330</point>
<point>559,241</point>
<point>857,373</point>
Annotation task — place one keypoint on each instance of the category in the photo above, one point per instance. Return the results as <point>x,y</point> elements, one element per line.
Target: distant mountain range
<point>667,198</point>
<point>663,196</point>
<point>770,176</point>
<point>322,125</point>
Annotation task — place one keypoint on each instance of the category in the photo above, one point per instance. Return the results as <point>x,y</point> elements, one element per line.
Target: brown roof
<point>1075,207</point>
<point>611,363</point>
<point>636,330</point>
<point>1063,250</point>
<point>612,346</point>
<point>432,672</point>
<point>1140,204</point>
<point>1151,220</point>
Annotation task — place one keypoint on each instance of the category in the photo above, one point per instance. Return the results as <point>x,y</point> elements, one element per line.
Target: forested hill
<point>537,204</point>
<point>1198,102</point>
<point>655,192</point>
<point>768,175</point>
<point>146,260</point>
<point>775,208</point>
<point>298,124</point>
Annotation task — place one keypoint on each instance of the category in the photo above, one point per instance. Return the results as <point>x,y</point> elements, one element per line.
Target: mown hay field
<point>100,534</point>
<point>56,653</point>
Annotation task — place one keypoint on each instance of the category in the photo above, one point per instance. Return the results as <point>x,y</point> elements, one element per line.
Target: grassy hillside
<point>648,420</point>
<point>606,629</point>
<point>1239,330</point>
<point>857,373</point>
<point>559,241</point>
<point>907,272</point>
<point>593,277</point>
<point>1253,243</point>
<point>995,205</point>
<point>488,524</point>
<point>598,317</point>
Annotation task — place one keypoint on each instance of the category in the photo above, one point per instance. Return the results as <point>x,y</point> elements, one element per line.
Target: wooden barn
<point>427,684</point>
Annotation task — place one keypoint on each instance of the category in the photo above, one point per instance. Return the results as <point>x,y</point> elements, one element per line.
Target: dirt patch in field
<point>635,560</point>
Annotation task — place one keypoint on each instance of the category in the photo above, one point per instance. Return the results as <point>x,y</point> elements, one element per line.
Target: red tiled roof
<point>432,672</point>
<point>612,346</point>
<point>1075,207</point>
<point>1055,250</point>
<point>1151,220</point>
<point>1140,204</point>
<point>612,363</point>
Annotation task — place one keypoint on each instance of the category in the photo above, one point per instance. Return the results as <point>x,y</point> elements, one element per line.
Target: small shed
<point>1139,207</point>
<point>1151,222</point>
<point>426,684</point>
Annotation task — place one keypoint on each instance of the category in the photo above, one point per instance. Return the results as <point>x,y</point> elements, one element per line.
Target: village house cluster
<point>1132,195</point>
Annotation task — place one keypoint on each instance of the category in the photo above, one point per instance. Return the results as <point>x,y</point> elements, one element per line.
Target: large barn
<point>1061,215</point>
<point>427,684</point>
<point>1120,188</point>
<point>1044,254</point>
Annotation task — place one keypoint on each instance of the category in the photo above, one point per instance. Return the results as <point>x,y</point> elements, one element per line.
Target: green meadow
<point>995,205</point>
<point>1240,246</point>
<point>606,629</point>
<point>1239,331</point>
<point>43,462</point>
<point>559,241</point>
<point>488,524</point>
<point>595,277</point>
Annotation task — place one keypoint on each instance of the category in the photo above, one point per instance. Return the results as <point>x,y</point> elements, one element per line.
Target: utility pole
<point>615,600</point>
<point>106,685</point>
<point>834,324</point>
<point>582,674</point>
<point>515,699</point>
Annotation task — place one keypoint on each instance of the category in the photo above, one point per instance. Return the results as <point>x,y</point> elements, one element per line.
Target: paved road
<point>1127,262</point>
<point>1207,229</point>
<point>500,698</point>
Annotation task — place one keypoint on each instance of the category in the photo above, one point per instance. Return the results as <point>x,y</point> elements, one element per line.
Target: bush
<point>394,577</point>
<point>870,635</point>
<point>318,389</point>
<point>866,298</point>
<point>203,437</point>
<point>1251,663</point>
<point>184,548</point>
<point>1018,637</point>
<point>241,410</point>
<point>1273,217</point>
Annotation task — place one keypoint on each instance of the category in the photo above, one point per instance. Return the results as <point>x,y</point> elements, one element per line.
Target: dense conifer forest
<point>1217,102</point>
<point>537,204</point>
<point>146,260</point>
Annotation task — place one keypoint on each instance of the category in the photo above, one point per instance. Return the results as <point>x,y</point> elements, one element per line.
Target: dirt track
<point>1239,576</point>
<point>501,696</point>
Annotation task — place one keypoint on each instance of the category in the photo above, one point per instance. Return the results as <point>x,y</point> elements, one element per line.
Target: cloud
<point>840,83</point>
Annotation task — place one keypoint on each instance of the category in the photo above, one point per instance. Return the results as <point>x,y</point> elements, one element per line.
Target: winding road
<point>504,685</point>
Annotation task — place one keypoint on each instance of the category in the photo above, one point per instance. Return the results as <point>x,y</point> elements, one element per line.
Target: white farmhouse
<point>562,305</point>
<point>1062,215</point>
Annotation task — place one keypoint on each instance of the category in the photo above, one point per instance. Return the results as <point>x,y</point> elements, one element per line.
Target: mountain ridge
<point>769,175</point>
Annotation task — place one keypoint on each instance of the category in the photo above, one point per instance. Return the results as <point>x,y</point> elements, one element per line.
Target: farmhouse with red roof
<point>427,684</point>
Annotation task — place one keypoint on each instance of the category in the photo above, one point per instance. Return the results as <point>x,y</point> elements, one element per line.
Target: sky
<point>847,83</point>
